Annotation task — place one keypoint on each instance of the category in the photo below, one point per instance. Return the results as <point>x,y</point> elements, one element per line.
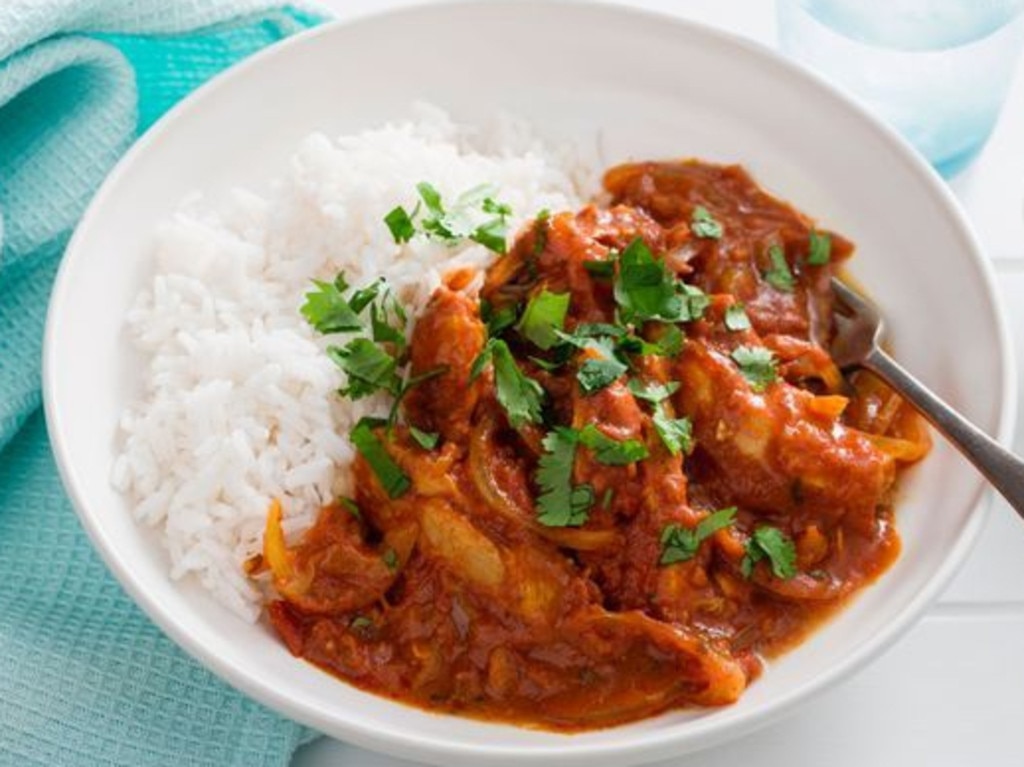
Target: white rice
<point>239,405</point>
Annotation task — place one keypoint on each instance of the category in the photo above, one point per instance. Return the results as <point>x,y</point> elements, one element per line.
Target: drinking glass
<point>937,70</point>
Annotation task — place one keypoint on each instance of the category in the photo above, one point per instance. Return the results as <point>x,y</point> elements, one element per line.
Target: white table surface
<point>951,692</point>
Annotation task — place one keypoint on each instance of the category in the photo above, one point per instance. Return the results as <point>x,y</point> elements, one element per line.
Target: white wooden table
<point>951,692</point>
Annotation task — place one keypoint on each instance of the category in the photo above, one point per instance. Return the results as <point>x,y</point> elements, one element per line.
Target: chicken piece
<point>448,336</point>
<point>774,452</point>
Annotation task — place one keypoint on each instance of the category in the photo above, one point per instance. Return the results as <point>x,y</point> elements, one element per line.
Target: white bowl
<point>649,87</point>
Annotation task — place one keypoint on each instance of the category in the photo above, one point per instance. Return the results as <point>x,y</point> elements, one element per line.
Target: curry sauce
<point>628,509</point>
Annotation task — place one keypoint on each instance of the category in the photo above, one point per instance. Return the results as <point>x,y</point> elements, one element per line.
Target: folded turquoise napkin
<point>85,678</point>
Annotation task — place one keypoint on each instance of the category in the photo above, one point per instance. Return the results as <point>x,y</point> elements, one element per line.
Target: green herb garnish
<point>363,297</point>
<point>676,433</point>
<point>544,315</point>
<point>491,235</point>
<point>500,209</point>
<point>327,310</point>
<point>703,224</point>
<point>598,372</point>
<point>351,507</point>
<point>456,224</point>
<point>390,558</point>
<point>694,302</point>
<point>425,439</point>
<point>757,364</point>
<point>611,452</point>
<point>498,321</point>
<point>652,392</point>
<point>561,504</point>
<point>644,287</point>
<point>779,275</point>
<point>819,248</point>
<point>520,396</point>
<point>381,327</point>
<point>736,318</point>
<point>776,546</point>
<point>390,474</point>
<point>400,224</point>
<point>679,544</point>
<point>369,368</point>
<point>669,343</point>
<point>431,198</point>
<point>587,330</point>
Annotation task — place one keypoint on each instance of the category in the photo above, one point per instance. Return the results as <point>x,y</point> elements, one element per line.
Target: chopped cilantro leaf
<point>644,287</point>
<point>520,395</point>
<point>597,329</point>
<point>595,374</point>
<point>600,269</point>
<point>369,368</point>
<point>543,316</point>
<point>351,507</point>
<point>390,474</point>
<point>736,318</point>
<point>679,544</point>
<point>779,275</point>
<point>669,343</point>
<point>652,392</point>
<point>425,439</point>
<point>776,546</point>
<point>362,297</point>
<point>491,235</point>
<point>611,452</point>
<point>600,371</point>
<point>819,248</point>
<point>561,504</point>
<point>703,224</point>
<point>498,321</point>
<point>694,302</point>
<point>327,311</point>
<point>675,433</point>
<point>456,223</point>
<point>757,364</point>
<point>390,558</point>
<point>500,209</point>
<point>382,329</point>
<point>431,198</point>
<point>483,359</point>
<point>400,224</point>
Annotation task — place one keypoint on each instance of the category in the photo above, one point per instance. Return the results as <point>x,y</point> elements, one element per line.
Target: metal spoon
<point>859,329</point>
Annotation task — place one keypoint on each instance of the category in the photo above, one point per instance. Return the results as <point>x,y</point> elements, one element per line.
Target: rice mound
<point>239,403</point>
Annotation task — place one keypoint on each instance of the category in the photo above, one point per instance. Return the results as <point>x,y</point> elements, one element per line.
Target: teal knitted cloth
<point>85,678</point>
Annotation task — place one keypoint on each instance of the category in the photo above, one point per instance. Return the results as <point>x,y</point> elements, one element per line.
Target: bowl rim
<point>649,744</point>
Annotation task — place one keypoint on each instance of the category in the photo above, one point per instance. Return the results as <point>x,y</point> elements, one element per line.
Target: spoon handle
<point>1001,468</point>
